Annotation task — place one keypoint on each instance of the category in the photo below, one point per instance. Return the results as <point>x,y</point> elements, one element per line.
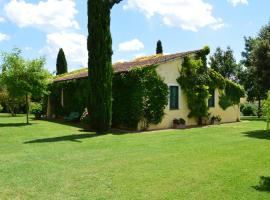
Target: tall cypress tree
<point>61,63</point>
<point>159,49</point>
<point>100,70</point>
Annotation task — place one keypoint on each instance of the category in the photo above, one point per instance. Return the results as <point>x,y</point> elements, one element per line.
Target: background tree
<point>24,78</point>
<point>61,63</point>
<point>11,104</point>
<point>224,63</point>
<point>159,49</point>
<point>256,59</point>
<point>100,64</point>
<point>266,110</point>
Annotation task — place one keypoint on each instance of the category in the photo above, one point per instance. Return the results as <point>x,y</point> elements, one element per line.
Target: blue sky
<point>40,28</point>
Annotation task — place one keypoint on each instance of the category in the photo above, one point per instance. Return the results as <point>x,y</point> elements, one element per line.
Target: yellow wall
<point>170,72</point>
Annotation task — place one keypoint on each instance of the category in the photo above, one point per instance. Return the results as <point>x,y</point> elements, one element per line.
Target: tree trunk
<point>100,65</point>
<point>27,108</point>
<point>259,113</point>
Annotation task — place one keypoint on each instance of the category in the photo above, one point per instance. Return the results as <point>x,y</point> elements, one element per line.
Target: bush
<point>139,95</point>
<point>1,108</point>
<point>36,109</point>
<point>248,109</point>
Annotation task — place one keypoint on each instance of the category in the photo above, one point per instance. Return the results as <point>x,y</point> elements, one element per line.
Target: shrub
<point>139,95</point>
<point>248,109</point>
<point>1,108</point>
<point>75,93</point>
<point>36,109</point>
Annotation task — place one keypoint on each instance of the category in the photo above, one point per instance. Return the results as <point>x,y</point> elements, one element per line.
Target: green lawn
<point>54,161</point>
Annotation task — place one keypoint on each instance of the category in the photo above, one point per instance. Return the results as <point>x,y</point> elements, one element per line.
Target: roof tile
<point>126,66</point>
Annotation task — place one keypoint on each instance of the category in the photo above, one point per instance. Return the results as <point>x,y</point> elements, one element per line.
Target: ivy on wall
<point>75,93</point>
<point>197,80</point>
<point>138,96</point>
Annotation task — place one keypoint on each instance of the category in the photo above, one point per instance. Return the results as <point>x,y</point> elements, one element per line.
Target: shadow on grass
<point>78,137</point>
<point>264,184</point>
<point>71,138</point>
<point>13,124</point>
<point>252,118</point>
<point>260,134</point>
<point>63,122</point>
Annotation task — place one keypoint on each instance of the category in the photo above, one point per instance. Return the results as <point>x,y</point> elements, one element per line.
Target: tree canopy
<point>24,78</point>
<point>61,63</point>
<point>100,64</point>
<point>159,49</point>
<point>256,59</point>
<point>224,63</point>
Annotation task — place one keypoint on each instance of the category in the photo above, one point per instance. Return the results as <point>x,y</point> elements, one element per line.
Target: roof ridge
<point>126,66</point>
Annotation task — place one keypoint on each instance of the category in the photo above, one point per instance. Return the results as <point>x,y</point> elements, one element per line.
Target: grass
<point>46,160</point>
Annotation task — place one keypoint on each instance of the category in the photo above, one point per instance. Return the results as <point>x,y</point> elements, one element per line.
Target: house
<point>168,67</point>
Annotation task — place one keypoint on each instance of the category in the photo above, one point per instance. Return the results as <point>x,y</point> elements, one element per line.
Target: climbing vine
<point>138,96</point>
<point>197,80</point>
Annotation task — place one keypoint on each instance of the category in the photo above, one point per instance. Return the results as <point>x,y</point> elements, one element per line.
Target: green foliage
<point>75,94</point>
<point>12,104</point>
<point>194,82</point>
<point>248,109</point>
<point>1,108</point>
<point>99,46</point>
<point>257,62</point>
<point>36,109</point>
<point>231,95</point>
<point>139,95</point>
<point>266,110</point>
<point>24,78</point>
<point>224,63</point>
<point>61,63</point>
<point>159,49</point>
<point>197,81</point>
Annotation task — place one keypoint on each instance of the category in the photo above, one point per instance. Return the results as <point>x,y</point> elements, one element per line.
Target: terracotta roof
<point>126,66</point>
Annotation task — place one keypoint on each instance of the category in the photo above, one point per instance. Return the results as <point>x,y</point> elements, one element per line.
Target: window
<point>174,97</point>
<point>211,100</point>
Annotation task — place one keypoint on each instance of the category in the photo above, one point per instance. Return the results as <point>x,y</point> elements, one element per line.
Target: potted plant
<point>36,109</point>
<point>215,120</point>
<point>179,123</point>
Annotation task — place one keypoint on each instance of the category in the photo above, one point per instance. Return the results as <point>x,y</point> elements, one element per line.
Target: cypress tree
<point>100,70</point>
<point>159,49</point>
<point>61,63</point>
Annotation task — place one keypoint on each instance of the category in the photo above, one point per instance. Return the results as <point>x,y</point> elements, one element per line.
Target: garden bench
<point>73,116</point>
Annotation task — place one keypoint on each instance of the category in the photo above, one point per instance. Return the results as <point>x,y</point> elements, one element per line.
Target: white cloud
<point>27,48</point>
<point>132,45</point>
<point>185,14</point>
<point>237,2</point>
<point>48,15</point>
<point>120,61</point>
<point>218,25</point>
<point>73,44</point>
<point>2,20</point>
<point>4,37</point>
